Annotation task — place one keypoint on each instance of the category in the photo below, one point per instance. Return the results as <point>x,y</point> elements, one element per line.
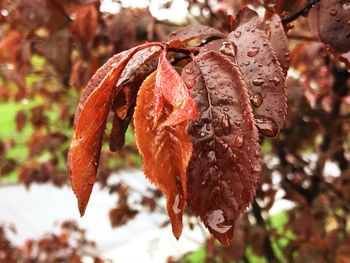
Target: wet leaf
<point>279,42</point>
<point>171,87</point>
<point>334,24</point>
<point>263,75</point>
<point>224,169</point>
<point>189,33</point>
<point>86,145</point>
<point>166,151</point>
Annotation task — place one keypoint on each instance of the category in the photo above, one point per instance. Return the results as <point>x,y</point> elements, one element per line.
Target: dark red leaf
<point>333,24</point>
<point>279,42</point>
<point>166,151</point>
<point>224,169</point>
<point>263,75</point>
<point>171,87</point>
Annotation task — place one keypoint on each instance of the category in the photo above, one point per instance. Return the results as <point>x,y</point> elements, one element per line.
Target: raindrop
<point>247,63</point>
<point>239,141</point>
<point>276,80</point>
<point>238,122</point>
<point>266,126</point>
<point>209,127</point>
<point>91,180</point>
<point>258,82</point>
<point>176,205</point>
<point>257,99</point>
<point>333,12</point>
<point>211,157</point>
<point>215,221</point>
<point>253,51</point>
<point>225,123</point>
<point>189,70</point>
<point>256,168</point>
<point>227,49</point>
<point>237,34</point>
<point>190,83</point>
<point>346,6</point>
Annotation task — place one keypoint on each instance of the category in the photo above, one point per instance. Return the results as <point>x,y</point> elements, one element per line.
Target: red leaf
<point>333,24</point>
<point>171,86</point>
<point>224,169</point>
<point>166,151</point>
<point>279,42</point>
<point>86,145</point>
<point>263,75</point>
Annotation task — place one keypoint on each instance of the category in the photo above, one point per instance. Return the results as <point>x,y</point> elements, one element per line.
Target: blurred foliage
<point>50,48</point>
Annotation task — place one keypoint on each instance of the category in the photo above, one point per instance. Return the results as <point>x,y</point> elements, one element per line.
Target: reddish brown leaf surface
<point>189,33</point>
<point>87,140</point>
<point>279,42</point>
<point>224,169</point>
<point>333,24</point>
<point>166,151</point>
<point>85,23</point>
<point>263,75</point>
<point>96,80</point>
<point>171,87</point>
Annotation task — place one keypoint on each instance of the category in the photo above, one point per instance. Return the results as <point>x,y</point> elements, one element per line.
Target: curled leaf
<point>90,124</point>
<point>166,151</point>
<point>171,87</point>
<point>224,169</point>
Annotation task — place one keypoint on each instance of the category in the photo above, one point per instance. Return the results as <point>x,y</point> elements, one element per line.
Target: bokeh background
<point>49,49</point>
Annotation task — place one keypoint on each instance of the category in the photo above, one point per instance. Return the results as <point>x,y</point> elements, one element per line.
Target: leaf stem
<point>302,11</point>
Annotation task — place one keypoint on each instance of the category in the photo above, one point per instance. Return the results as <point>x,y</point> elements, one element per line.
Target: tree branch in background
<point>301,12</point>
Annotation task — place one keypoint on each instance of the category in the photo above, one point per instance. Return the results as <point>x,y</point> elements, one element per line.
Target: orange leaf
<point>90,124</point>
<point>170,86</point>
<point>166,151</point>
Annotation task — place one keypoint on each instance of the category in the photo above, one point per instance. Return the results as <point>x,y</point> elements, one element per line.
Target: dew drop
<point>91,180</point>
<point>247,63</point>
<point>239,141</point>
<point>215,221</point>
<point>258,82</point>
<point>256,168</point>
<point>333,12</point>
<point>276,80</point>
<point>176,209</point>
<point>266,126</point>
<point>257,99</point>
<point>346,6</point>
<point>190,83</point>
<point>225,124</point>
<point>237,34</point>
<point>189,70</point>
<point>253,51</point>
<point>227,49</point>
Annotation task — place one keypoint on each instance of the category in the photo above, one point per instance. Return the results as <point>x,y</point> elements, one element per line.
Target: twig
<point>303,38</point>
<point>60,9</point>
<point>302,11</point>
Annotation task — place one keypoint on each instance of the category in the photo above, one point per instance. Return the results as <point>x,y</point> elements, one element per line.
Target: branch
<point>302,11</point>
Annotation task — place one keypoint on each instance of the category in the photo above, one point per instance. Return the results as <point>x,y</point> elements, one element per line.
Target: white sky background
<point>175,13</point>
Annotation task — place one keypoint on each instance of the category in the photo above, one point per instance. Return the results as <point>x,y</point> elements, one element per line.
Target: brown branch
<point>61,9</point>
<point>301,12</point>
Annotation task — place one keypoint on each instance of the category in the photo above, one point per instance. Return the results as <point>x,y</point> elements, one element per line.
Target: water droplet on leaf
<point>258,82</point>
<point>266,126</point>
<point>253,51</point>
<point>257,99</point>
